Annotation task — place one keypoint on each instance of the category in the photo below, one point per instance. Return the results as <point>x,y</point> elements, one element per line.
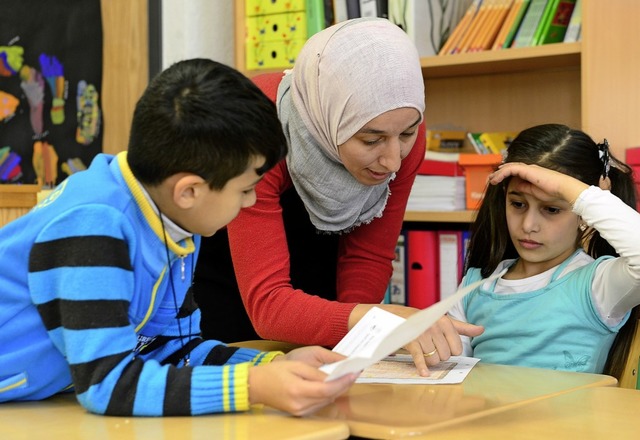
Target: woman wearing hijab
<point>314,253</point>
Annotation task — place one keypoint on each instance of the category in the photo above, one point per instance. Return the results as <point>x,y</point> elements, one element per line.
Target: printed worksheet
<point>380,333</point>
<point>400,369</point>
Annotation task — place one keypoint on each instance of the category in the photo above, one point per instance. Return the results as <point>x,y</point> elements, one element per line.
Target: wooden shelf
<point>524,59</point>
<point>440,216</point>
<point>16,200</point>
<point>18,196</point>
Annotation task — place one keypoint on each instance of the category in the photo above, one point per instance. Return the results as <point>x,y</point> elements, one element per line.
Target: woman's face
<point>377,149</point>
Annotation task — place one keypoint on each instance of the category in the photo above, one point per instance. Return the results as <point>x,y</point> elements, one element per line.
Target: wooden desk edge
<point>266,345</point>
<point>18,196</point>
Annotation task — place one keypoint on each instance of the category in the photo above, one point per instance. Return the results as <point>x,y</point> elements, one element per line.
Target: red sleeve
<point>261,259</point>
<point>268,83</point>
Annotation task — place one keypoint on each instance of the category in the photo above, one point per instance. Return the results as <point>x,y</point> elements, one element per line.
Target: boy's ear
<point>187,189</point>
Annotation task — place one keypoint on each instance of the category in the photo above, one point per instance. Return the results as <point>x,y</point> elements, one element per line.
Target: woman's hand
<point>293,383</point>
<point>436,344</point>
<point>440,342</point>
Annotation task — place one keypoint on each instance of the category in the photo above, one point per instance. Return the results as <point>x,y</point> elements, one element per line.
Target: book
<point>315,16</point>
<point>420,20</point>
<point>575,24</point>
<point>521,9</point>
<point>374,8</point>
<point>445,140</point>
<point>449,47</point>
<point>398,283</point>
<point>474,28</point>
<point>452,13</point>
<point>476,143</point>
<point>340,11</point>
<point>433,167</point>
<point>545,21</point>
<point>329,19</point>
<point>423,280</point>
<point>497,142</point>
<point>437,193</point>
<point>498,42</point>
<point>556,27</point>
<point>449,259</point>
<point>353,8</point>
<point>498,10</point>
<point>530,22</point>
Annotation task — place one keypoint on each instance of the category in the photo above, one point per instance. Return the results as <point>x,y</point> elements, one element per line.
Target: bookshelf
<point>591,84</point>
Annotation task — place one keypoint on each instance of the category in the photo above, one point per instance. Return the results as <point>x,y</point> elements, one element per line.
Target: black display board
<point>50,87</point>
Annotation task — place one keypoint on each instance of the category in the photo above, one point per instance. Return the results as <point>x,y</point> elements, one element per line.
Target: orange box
<point>477,168</point>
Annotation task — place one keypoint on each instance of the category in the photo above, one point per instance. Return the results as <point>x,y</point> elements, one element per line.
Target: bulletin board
<point>51,64</point>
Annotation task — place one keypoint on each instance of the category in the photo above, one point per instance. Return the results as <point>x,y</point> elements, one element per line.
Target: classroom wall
<point>197,28</point>
<point>194,28</point>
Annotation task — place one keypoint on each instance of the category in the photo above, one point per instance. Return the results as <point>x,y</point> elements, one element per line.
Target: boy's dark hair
<point>568,151</point>
<point>202,117</point>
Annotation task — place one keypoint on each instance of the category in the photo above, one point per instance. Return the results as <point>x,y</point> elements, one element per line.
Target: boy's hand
<point>315,356</point>
<point>294,384</point>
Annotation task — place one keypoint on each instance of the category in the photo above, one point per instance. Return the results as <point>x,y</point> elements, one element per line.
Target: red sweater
<point>261,257</point>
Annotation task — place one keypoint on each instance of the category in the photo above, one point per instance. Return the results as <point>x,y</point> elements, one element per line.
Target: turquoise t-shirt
<point>556,327</point>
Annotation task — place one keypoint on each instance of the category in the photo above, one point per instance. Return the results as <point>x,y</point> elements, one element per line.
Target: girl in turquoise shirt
<point>559,215</point>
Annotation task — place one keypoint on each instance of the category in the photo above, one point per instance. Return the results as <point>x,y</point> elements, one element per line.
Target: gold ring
<point>431,353</point>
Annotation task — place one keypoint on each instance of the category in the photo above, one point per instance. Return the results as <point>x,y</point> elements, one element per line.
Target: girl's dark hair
<point>568,151</point>
<point>203,117</point>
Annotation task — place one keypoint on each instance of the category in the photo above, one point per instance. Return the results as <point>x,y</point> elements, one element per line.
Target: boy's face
<point>216,208</point>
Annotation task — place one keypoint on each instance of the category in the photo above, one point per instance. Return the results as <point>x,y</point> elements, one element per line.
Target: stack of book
<point>439,185</point>
<point>501,24</point>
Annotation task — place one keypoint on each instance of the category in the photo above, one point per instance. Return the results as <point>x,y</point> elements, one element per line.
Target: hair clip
<point>603,154</point>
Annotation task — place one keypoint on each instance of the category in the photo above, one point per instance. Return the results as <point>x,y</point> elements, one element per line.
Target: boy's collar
<point>146,205</point>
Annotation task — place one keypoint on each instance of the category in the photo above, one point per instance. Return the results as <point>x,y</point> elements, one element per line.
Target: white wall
<point>197,28</point>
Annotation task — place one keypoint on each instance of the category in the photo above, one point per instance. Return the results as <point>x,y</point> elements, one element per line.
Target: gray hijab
<point>344,76</point>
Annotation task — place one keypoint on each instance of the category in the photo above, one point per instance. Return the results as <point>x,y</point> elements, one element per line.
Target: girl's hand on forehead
<point>540,182</point>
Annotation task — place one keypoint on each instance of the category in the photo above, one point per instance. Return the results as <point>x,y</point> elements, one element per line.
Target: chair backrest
<point>631,374</point>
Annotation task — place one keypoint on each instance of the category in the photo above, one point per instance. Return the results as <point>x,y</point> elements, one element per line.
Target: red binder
<point>423,280</point>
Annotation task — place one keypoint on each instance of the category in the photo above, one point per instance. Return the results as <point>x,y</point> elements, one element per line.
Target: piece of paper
<point>400,369</point>
<point>377,338</point>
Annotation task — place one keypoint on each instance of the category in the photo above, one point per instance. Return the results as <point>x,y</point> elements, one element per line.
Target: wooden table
<point>587,414</point>
<point>61,417</point>
<point>395,411</point>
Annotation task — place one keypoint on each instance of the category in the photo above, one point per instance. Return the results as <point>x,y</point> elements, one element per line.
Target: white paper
<point>377,338</point>
<point>400,369</point>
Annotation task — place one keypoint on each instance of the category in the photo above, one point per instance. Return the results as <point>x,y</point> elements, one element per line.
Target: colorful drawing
<point>73,166</point>
<point>45,163</point>
<point>10,60</point>
<point>33,86</point>
<point>8,106</point>
<point>10,169</point>
<point>88,113</point>
<point>53,71</point>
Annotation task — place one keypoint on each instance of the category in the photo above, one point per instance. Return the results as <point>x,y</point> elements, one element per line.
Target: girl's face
<point>377,149</point>
<point>544,232</point>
